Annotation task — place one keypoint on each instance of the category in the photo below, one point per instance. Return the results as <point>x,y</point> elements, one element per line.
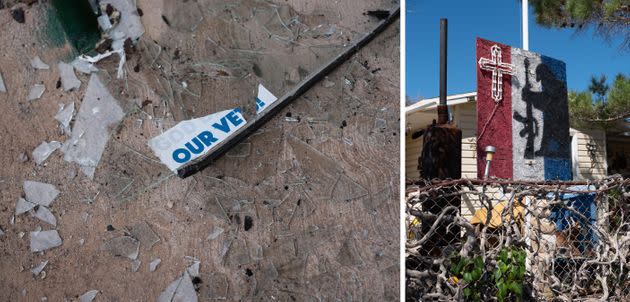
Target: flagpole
<point>525,11</point>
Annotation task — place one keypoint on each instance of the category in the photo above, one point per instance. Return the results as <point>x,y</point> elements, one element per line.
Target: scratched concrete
<point>318,183</point>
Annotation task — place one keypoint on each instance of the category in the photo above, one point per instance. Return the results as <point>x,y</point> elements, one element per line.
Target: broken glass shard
<point>216,231</point>
<point>193,270</point>
<point>69,80</point>
<point>143,233</point>
<point>39,268</point>
<point>22,206</point>
<point>2,87</point>
<point>40,193</point>
<point>43,240</point>
<point>44,150</point>
<point>44,214</point>
<point>36,92</point>
<point>123,246</point>
<point>83,66</point>
<point>64,116</point>
<point>129,23</point>
<point>135,265</point>
<point>99,111</point>
<point>154,264</point>
<point>88,296</point>
<point>37,63</point>
<point>180,290</point>
<point>214,287</point>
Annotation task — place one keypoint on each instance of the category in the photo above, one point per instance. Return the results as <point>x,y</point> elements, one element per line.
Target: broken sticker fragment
<point>44,240</point>
<point>69,80</point>
<point>264,99</point>
<point>194,138</point>
<point>98,113</point>
<point>44,150</point>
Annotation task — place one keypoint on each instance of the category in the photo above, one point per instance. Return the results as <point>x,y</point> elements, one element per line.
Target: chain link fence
<point>498,240</point>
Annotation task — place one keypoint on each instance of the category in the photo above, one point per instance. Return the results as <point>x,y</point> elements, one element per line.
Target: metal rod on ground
<point>253,125</point>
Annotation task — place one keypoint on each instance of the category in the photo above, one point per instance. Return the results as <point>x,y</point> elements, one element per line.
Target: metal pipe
<point>442,107</point>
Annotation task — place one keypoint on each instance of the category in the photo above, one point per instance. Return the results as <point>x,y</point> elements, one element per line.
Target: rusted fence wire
<point>501,240</point>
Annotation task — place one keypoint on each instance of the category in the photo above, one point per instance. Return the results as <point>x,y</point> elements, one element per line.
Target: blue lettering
<point>259,104</point>
<point>181,155</point>
<point>207,138</point>
<point>234,118</point>
<point>199,145</point>
<point>223,126</point>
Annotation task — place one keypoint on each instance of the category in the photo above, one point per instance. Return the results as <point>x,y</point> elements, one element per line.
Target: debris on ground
<point>22,206</point>
<point>88,296</point>
<point>39,268</point>
<point>40,193</point>
<point>83,66</point>
<point>23,157</point>
<point>135,265</point>
<point>98,113</point>
<point>123,246</point>
<point>36,92</point>
<point>143,233</point>
<point>18,15</point>
<point>37,63</point>
<point>64,116</point>
<point>44,240</point>
<point>182,289</point>
<point>154,264</point>
<point>2,87</point>
<point>193,270</point>
<point>69,79</point>
<point>44,150</point>
<point>44,214</point>
<point>216,232</point>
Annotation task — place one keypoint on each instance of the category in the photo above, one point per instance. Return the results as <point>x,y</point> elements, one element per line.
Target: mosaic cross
<point>498,68</point>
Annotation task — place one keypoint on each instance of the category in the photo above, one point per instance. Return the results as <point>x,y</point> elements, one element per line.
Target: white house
<point>588,146</point>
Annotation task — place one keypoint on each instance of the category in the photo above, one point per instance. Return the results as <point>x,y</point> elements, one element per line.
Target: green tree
<point>608,17</point>
<point>601,104</point>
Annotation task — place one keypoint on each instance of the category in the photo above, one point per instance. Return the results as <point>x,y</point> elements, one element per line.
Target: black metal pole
<point>442,107</point>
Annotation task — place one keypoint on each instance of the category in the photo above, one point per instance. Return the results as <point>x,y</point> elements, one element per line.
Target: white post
<point>525,11</point>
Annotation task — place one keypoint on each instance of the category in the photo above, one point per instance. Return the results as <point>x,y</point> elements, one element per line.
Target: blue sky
<point>497,20</point>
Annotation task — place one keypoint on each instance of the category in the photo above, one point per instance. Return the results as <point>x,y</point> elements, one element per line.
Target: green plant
<point>471,271</point>
<point>509,273</point>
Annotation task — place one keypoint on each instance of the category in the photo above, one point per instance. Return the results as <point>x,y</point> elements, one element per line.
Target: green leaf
<point>468,277</point>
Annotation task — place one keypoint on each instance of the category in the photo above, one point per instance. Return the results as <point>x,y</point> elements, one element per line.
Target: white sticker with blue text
<point>264,98</point>
<point>191,139</point>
